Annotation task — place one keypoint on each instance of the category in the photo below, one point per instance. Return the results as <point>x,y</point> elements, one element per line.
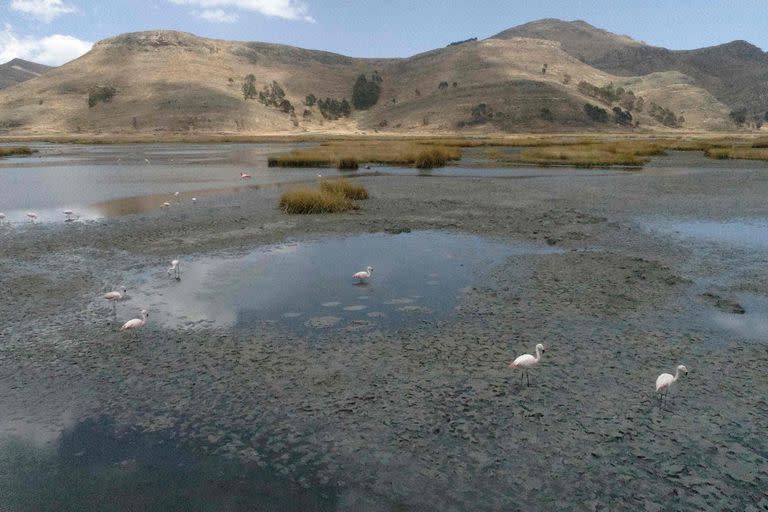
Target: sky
<point>56,31</point>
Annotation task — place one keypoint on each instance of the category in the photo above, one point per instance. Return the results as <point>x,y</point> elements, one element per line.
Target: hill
<point>735,73</point>
<point>18,70</point>
<point>531,78</point>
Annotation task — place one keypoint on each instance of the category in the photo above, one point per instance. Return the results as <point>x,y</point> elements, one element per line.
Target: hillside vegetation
<point>547,76</point>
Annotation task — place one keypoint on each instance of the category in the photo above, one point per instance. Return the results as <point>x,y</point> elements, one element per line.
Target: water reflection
<point>750,233</point>
<point>96,466</point>
<point>309,286</point>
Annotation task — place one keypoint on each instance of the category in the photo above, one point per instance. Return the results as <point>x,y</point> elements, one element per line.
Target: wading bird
<point>175,269</point>
<point>2,218</point>
<point>363,274</point>
<point>194,200</point>
<point>114,297</point>
<point>527,361</point>
<point>244,175</point>
<point>665,381</point>
<point>70,215</point>
<point>136,323</point>
<point>32,217</point>
<point>176,195</point>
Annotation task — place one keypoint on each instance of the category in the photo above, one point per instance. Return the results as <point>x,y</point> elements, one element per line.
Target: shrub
<point>249,87</point>
<point>344,187</point>
<point>310,100</point>
<point>595,113</point>
<point>365,93</point>
<point>347,163</point>
<point>100,93</point>
<point>272,94</point>
<point>22,150</point>
<point>739,116</point>
<point>306,200</point>
<point>622,117</point>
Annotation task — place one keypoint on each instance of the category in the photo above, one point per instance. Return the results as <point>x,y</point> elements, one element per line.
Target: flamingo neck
<point>677,375</point>
<point>538,354</point>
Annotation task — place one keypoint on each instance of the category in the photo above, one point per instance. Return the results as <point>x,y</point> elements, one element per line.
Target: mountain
<point>736,73</point>
<point>18,70</point>
<point>523,79</point>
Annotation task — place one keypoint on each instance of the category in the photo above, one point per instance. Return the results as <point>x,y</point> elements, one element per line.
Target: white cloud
<point>45,10</point>
<point>216,16</point>
<point>53,50</point>
<point>288,9</point>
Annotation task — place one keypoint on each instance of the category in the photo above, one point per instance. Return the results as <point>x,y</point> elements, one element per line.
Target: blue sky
<point>54,31</point>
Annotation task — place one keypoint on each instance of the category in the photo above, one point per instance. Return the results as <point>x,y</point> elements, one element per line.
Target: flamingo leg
<point>521,377</point>
<point>527,378</point>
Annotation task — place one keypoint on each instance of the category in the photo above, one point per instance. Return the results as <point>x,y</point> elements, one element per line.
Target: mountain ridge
<point>527,78</point>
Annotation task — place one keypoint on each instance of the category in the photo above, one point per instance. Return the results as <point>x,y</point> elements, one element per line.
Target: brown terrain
<point>527,78</point>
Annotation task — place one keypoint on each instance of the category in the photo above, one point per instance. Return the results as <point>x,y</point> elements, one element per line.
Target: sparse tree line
<point>628,102</point>
<point>365,94</point>
<point>740,117</point>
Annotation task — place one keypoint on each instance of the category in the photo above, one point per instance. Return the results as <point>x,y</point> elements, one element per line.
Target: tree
<point>546,114</point>
<point>365,93</point>
<point>595,113</point>
<point>272,94</point>
<point>310,100</point>
<point>100,93</point>
<point>286,106</point>
<point>622,117</point>
<point>739,116</point>
<point>249,87</point>
<point>443,86</point>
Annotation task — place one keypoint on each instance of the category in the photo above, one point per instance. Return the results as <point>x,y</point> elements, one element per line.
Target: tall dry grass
<point>382,152</point>
<point>307,200</point>
<point>344,187</point>
<point>19,150</point>
<point>738,153</point>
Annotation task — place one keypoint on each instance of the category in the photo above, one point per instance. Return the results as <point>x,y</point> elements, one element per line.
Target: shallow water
<point>746,233</point>
<point>752,325</point>
<point>141,177</point>
<point>95,466</point>
<point>309,286</point>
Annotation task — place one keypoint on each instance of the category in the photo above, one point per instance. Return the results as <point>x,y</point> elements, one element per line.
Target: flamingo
<point>244,176</point>
<point>2,218</point>
<point>363,274</point>
<point>665,381</point>
<point>176,195</point>
<point>70,215</point>
<point>166,204</point>
<point>136,323</point>
<point>527,361</point>
<point>194,200</point>
<point>175,269</point>
<point>32,217</point>
<point>146,160</point>
<point>113,297</point>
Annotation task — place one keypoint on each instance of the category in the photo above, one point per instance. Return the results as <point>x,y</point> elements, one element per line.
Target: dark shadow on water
<point>96,467</point>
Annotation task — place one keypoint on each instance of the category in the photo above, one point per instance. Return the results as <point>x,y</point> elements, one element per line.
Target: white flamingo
<point>363,274</point>
<point>136,323</point>
<point>114,297</point>
<point>166,205</point>
<point>146,160</point>
<point>244,176</point>
<point>194,200</point>
<point>32,217</point>
<point>527,361</point>
<point>176,195</point>
<point>70,215</point>
<point>175,269</point>
<point>2,218</point>
<point>665,381</point>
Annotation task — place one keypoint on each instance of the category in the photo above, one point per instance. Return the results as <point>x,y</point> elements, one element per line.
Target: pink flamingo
<point>527,361</point>
<point>363,274</point>
<point>665,381</point>
<point>114,297</point>
<point>244,176</point>
<point>136,323</point>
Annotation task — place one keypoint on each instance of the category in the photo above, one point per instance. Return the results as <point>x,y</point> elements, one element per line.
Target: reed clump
<point>388,152</point>
<point>17,150</point>
<point>591,155</point>
<point>738,153</point>
<point>308,200</point>
<point>344,187</point>
<point>435,157</point>
<point>347,164</point>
